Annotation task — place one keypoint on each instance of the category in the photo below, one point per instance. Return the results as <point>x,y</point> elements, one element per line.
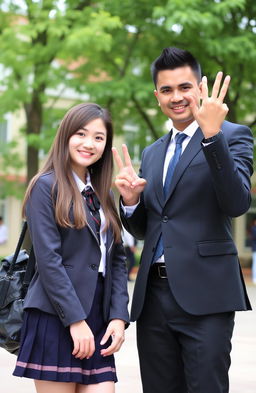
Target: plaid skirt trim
<point>40,367</point>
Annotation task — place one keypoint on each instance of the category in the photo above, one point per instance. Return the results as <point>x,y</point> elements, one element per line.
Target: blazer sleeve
<point>46,241</point>
<point>119,293</point>
<point>231,165</point>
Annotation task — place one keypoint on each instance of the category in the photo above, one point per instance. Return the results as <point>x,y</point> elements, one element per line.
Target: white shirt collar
<point>80,184</point>
<point>189,131</point>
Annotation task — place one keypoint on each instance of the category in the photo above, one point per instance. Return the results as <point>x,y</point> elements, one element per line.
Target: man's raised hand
<point>212,111</point>
<point>128,183</point>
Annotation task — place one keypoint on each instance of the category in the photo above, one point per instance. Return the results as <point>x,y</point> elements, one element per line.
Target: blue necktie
<point>179,138</point>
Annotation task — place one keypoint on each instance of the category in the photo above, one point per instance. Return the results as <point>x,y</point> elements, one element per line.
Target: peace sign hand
<point>212,111</point>
<point>128,183</point>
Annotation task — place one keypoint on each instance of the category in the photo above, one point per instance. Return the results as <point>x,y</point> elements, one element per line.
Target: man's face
<point>173,88</point>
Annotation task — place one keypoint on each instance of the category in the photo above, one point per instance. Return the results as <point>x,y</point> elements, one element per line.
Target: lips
<point>179,108</point>
<point>85,153</point>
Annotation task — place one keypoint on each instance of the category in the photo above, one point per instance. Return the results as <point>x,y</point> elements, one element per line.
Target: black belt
<point>158,270</point>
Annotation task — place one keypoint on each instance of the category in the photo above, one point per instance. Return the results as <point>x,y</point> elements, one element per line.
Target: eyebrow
<point>180,85</point>
<point>96,132</point>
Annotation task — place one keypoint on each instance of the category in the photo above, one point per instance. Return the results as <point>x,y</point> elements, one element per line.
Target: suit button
<point>165,219</point>
<point>94,267</point>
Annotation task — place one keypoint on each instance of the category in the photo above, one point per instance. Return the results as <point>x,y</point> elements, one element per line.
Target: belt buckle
<point>161,271</point>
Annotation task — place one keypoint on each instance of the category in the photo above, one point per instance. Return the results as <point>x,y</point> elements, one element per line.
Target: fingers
<point>117,341</point>
<point>224,88</point>
<point>204,88</point>
<point>83,340</point>
<point>216,85</point>
<point>83,348</point>
<point>116,331</point>
<point>127,158</point>
<point>117,158</point>
<point>217,92</point>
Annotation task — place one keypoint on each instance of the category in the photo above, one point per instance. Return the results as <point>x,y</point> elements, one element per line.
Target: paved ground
<point>242,372</point>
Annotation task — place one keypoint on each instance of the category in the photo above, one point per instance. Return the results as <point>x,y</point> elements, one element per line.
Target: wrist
<point>130,202</point>
<point>212,138</point>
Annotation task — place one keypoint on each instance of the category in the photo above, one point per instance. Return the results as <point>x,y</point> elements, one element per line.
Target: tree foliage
<point>110,45</point>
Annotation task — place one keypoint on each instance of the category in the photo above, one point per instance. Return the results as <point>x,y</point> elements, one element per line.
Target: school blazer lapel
<point>187,156</point>
<point>91,223</point>
<point>92,229</point>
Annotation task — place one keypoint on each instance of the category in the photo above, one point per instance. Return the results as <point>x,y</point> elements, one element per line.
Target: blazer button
<point>94,267</point>
<point>165,219</point>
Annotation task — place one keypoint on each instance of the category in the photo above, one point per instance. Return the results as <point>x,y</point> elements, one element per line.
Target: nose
<point>88,142</point>
<point>176,96</point>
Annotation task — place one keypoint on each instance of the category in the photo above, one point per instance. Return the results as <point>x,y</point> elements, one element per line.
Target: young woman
<point>76,305</point>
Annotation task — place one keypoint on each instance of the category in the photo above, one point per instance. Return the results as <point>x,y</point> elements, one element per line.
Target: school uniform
<point>77,277</point>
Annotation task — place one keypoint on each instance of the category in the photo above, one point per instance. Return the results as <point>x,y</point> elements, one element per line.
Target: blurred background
<point>57,53</point>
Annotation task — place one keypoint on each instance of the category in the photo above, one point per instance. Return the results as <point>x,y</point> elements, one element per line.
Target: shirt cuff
<point>129,210</point>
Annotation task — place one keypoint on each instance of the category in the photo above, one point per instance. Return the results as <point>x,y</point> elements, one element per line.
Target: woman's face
<point>87,145</point>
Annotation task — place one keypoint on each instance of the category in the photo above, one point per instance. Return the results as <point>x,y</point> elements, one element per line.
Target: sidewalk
<point>242,371</point>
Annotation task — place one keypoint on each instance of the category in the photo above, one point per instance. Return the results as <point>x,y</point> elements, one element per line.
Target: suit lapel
<point>187,156</point>
<point>159,153</point>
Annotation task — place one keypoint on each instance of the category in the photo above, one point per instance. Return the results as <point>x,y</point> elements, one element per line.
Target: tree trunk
<point>34,112</point>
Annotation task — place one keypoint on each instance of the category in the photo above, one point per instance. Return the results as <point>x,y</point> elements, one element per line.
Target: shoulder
<point>237,134</point>
<point>159,141</point>
<point>43,185</point>
<point>228,127</point>
<point>46,180</point>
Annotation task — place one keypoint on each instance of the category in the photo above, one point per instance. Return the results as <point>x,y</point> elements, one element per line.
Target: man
<point>189,283</point>
<point>3,232</point>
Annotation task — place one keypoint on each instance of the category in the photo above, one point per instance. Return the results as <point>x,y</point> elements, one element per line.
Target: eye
<point>165,91</point>
<point>185,88</point>
<point>80,133</point>
<point>100,138</point>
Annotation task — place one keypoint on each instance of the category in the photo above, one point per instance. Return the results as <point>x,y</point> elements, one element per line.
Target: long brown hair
<point>59,162</point>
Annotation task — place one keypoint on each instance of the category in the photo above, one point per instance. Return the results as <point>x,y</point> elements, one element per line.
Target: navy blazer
<point>67,262</point>
<point>210,185</point>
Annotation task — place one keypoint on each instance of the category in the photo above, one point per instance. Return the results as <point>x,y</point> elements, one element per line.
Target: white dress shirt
<point>103,236</point>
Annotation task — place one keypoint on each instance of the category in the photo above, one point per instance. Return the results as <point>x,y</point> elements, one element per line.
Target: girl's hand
<point>115,329</point>
<point>128,183</point>
<point>83,339</point>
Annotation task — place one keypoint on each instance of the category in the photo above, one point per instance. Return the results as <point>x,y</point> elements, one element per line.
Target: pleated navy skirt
<point>46,348</point>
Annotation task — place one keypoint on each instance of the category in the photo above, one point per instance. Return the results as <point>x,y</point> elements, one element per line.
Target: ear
<point>156,94</point>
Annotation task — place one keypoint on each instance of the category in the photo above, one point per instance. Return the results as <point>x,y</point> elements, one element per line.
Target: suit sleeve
<point>230,163</point>
<point>46,241</point>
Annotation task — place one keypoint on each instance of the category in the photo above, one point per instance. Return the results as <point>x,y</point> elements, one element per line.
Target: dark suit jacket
<point>210,185</point>
<point>67,262</point>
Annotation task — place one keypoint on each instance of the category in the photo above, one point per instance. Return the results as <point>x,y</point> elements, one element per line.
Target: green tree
<point>113,44</point>
<point>35,41</point>
<point>220,33</point>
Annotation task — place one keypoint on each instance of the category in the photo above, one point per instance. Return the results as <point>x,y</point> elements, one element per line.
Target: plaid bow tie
<point>94,206</point>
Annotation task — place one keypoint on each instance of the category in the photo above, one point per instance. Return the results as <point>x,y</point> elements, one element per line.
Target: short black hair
<point>172,58</point>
